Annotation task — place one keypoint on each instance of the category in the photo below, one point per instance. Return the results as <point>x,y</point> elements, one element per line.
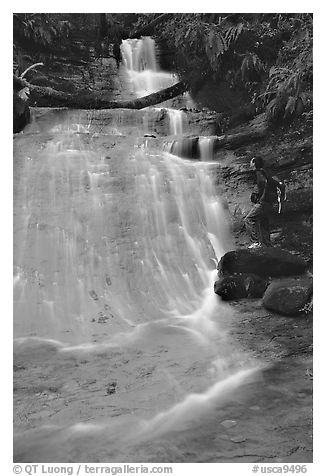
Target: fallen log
<point>233,141</point>
<point>152,99</point>
<point>189,147</point>
<point>49,97</point>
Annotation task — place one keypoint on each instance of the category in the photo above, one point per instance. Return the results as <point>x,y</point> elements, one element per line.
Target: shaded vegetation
<point>267,58</point>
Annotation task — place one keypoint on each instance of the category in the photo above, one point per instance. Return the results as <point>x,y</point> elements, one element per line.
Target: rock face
<point>288,296</point>
<point>265,262</point>
<point>287,152</point>
<point>240,286</point>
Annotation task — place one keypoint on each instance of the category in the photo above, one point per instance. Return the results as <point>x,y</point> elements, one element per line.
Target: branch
<point>29,68</point>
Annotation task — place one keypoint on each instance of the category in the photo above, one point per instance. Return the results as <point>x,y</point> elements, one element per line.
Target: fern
<point>219,40</point>
<point>41,28</point>
<point>233,33</point>
<point>251,63</point>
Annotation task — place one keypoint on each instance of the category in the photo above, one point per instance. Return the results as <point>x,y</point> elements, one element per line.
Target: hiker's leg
<point>265,225</point>
<point>253,223</point>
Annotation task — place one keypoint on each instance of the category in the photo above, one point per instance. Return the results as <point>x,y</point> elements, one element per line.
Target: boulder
<point>288,296</point>
<point>21,111</point>
<point>240,286</point>
<point>265,262</point>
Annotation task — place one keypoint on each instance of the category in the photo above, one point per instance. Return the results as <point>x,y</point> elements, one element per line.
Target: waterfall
<point>176,224</point>
<point>115,250</point>
<point>206,148</point>
<point>139,58</point>
<point>176,121</point>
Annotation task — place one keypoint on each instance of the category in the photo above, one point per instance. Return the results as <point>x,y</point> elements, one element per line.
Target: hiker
<point>270,190</point>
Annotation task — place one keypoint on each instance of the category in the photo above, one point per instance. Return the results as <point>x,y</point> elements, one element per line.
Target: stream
<point>122,350</point>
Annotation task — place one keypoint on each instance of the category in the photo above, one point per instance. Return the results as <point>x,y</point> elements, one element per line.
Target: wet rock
<point>111,388</point>
<point>240,286</point>
<point>238,439</point>
<point>18,367</point>
<point>288,296</point>
<point>93,295</point>
<point>102,318</point>
<point>228,423</point>
<point>230,287</point>
<point>309,373</point>
<point>89,381</point>
<point>265,262</point>
<point>255,408</point>
<point>301,395</point>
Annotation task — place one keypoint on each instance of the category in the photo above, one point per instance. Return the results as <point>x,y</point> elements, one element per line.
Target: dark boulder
<point>240,286</point>
<point>21,111</point>
<point>288,296</point>
<point>265,262</point>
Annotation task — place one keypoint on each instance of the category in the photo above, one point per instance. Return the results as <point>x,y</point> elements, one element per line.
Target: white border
<point>319,199</point>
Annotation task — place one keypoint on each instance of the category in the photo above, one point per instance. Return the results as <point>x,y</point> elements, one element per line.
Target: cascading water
<point>114,306</point>
<point>140,62</point>
<point>176,121</point>
<point>206,148</point>
<point>139,57</point>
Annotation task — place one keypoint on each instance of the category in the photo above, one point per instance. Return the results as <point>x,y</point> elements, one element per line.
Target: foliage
<point>200,45</point>
<point>284,95</point>
<point>41,29</point>
<point>251,64</point>
<point>267,56</point>
<point>37,32</point>
<point>264,57</point>
<point>289,86</point>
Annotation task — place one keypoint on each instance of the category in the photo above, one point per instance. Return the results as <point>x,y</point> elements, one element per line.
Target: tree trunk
<point>188,147</point>
<point>233,141</point>
<point>48,97</point>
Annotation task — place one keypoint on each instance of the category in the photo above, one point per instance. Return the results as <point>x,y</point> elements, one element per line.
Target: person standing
<point>257,221</point>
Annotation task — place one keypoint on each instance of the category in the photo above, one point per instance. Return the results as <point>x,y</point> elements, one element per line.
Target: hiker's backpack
<point>278,190</point>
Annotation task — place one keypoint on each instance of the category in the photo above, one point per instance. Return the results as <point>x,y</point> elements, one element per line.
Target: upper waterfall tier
<point>140,61</point>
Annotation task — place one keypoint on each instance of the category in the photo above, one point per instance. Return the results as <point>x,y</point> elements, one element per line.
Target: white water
<point>140,61</point>
<point>139,57</point>
<point>176,121</point>
<point>130,242</point>
<point>63,244</point>
<point>205,148</point>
